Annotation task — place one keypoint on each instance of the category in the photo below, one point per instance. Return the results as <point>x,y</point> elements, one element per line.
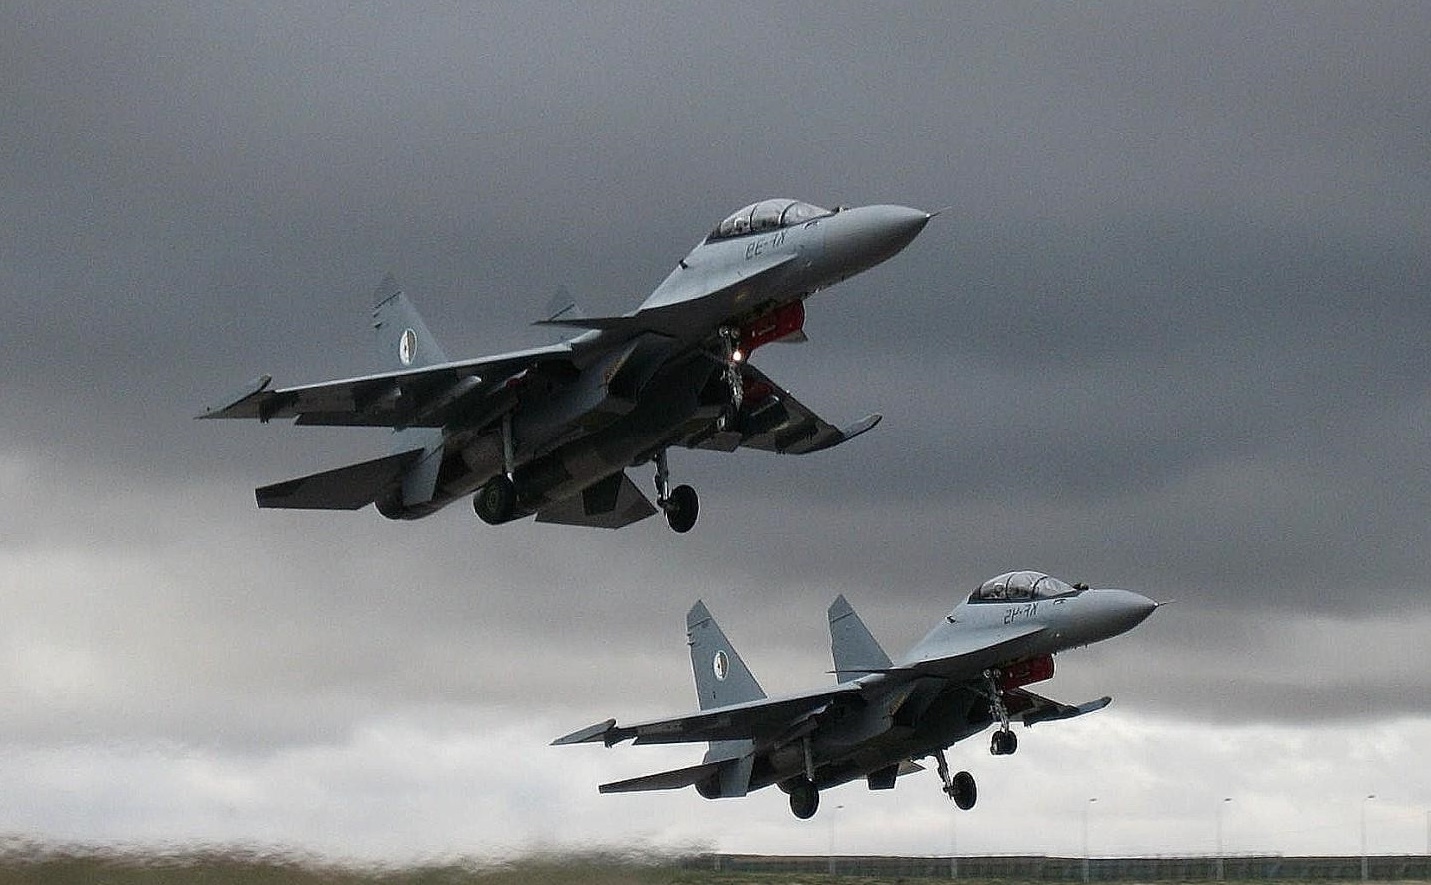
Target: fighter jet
<point>550,431</point>
<point>968,673</point>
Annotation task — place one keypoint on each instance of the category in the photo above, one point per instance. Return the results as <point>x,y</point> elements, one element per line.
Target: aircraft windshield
<point>766,215</point>
<point>1020,586</point>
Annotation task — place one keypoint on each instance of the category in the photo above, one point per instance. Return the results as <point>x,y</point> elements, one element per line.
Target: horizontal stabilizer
<point>612,503</point>
<point>665,780</point>
<point>345,488</point>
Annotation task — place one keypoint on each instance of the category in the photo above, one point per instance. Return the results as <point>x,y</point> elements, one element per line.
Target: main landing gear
<point>961,787</point>
<point>496,501</point>
<point>681,504</point>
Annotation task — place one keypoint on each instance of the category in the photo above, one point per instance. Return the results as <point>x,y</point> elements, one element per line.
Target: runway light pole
<point>831,855</point>
<point>954,844</point>
<point>1221,805</point>
<point>1087,805</point>
<point>1370,796</point>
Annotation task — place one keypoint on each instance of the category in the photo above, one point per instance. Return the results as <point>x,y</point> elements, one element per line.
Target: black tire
<point>496,500</point>
<point>1011,743</point>
<point>682,508</point>
<point>804,799</point>
<point>966,792</point>
<point>1003,743</point>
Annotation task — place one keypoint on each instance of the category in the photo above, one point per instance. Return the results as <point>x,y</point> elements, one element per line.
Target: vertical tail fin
<point>401,337</point>
<point>721,676</point>
<point>403,340</point>
<point>853,647</point>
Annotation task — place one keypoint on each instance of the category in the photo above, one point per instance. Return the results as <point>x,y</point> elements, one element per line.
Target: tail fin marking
<point>403,339</point>
<point>400,335</point>
<point>721,676</point>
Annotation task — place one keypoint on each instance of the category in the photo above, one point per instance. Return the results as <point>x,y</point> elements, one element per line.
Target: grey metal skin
<point>967,674</point>
<point>561,423</point>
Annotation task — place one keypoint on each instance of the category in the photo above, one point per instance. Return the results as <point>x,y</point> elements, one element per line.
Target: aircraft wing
<point>422,397</point>
<point>773,420</point>
<point>1031,708</point>
<point>753,720</point>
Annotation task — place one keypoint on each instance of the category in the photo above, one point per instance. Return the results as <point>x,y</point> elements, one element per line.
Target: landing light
<point>738,356</point>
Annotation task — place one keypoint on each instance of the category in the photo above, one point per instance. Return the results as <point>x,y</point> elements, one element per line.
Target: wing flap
<point>345,488</point>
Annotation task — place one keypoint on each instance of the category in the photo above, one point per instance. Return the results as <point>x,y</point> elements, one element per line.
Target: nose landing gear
<point>804,799</point>
<point>1003,742</point>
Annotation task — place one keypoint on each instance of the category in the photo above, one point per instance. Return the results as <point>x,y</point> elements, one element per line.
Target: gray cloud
<point>1168,336</point>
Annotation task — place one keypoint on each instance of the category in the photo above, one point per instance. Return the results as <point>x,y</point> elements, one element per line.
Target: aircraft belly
<point>666,403</point>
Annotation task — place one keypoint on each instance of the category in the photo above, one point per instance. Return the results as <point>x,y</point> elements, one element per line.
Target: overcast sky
<point>1171,335</point>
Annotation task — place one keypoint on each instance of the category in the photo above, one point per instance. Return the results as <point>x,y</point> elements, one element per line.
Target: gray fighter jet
<point>968,673</point>
<point>549,431</point>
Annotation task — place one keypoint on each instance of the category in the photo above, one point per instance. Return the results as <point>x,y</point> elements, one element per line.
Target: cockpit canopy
<point>766,215</point>
<point>1019,587</point>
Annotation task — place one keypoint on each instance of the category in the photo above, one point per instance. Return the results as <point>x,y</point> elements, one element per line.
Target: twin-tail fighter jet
<point>550,431</point>
<point>969,672</point>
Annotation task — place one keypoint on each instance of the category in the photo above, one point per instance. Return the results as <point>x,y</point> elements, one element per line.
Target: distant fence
<point>1071,869</point>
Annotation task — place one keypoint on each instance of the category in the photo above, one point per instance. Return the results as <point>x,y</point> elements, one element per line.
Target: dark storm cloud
<point>1168,336</point>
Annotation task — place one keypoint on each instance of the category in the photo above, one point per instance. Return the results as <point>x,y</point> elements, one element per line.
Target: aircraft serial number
<point>759,246</point>
<point>1020,612</point>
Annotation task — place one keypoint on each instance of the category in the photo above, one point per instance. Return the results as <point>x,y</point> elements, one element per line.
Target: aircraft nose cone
<point>862,237</point>
<point>1122,610</point>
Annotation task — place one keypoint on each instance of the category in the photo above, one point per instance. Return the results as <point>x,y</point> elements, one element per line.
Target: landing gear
<point>680,504</point>
<point>804,799</point>
<point>961,787</point>
<point>496,501</point>
<point>682,508</point>
<point>730,339</point>
<point>1004,742</point>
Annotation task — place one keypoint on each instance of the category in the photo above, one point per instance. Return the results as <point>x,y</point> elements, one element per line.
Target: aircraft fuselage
<point>637,393</point>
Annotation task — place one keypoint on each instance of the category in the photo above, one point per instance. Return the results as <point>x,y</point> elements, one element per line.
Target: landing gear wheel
<point>804,799</point>
<point>496,500</point>
<point>681,509</point>
<point>1003,743</point>
<point>963,790</point>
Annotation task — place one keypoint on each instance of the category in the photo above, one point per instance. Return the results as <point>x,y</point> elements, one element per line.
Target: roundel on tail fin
<point>407,346</point>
